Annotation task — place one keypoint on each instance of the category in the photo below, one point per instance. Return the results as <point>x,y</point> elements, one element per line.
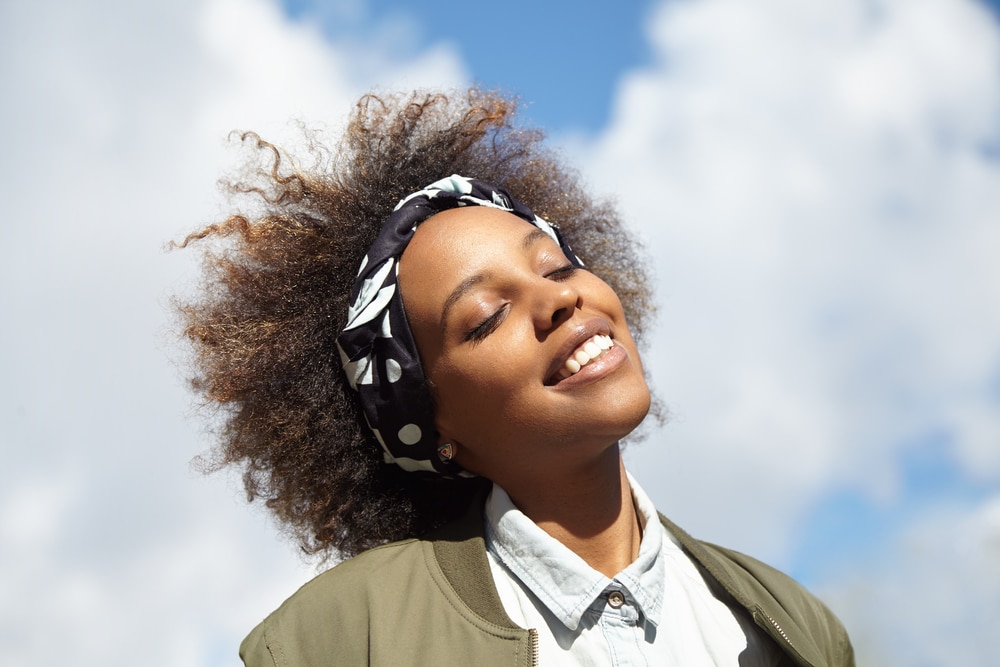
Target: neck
<point>588,509</point>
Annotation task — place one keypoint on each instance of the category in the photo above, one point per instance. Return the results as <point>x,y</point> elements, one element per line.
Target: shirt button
<point>616,599</point>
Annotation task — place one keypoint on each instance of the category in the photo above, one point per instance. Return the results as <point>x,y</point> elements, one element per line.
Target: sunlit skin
<point>495,310</point>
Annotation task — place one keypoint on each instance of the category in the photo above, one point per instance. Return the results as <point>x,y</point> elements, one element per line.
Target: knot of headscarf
<point>377,349</point>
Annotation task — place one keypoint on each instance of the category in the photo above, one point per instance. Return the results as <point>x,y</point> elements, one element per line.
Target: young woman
<point>425,345</point>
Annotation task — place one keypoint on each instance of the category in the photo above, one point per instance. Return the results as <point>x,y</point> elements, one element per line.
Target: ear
<point>444,439</point>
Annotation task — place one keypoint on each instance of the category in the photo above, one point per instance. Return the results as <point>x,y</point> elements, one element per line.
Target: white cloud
<point>814,184</point>
<point>268,70</point>
<point>113,551</point>
<point>820,186</point>
<point>31,511</point>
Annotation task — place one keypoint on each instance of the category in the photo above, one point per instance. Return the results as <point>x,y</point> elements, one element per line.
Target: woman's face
<point>497,310</point>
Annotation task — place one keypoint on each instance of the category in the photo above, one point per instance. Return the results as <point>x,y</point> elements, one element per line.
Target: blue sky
<point>564,60</point>
<point>847,528</point>
<point>819,184</point>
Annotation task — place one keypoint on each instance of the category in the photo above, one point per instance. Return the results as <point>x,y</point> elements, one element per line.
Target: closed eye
<point>562,273</point>
<point>487,326</point>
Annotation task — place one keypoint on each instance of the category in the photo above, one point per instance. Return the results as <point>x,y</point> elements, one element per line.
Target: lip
<point>580,333</point>
<point>595,370</point>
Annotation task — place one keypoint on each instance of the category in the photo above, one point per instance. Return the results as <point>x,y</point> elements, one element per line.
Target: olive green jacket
<point>432,601</point>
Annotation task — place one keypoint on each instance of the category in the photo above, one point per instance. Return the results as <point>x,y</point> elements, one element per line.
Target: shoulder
<point>759,583</point>
<point>428,601</point>
<point>327,619</point>
<point>778,604</point>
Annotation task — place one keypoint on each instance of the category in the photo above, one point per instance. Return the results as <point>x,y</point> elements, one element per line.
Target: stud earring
<point>446,452</point>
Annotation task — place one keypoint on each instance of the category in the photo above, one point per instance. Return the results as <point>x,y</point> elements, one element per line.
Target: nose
<point>554,302</point>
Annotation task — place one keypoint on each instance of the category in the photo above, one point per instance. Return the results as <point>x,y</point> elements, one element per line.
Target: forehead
<point>454,245</point>
<point>472,227</point>
<point>465,236</point>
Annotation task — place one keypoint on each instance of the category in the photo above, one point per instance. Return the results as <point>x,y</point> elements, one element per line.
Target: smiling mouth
<point>592,349</point>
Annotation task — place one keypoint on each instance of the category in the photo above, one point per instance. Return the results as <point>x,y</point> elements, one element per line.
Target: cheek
<point>607,300</point>
<point>475,396</point>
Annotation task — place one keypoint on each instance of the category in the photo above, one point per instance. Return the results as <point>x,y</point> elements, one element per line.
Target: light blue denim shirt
<point>657,611</point>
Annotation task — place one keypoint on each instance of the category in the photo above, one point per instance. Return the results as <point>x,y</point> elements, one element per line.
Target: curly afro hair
<point>275,296</point>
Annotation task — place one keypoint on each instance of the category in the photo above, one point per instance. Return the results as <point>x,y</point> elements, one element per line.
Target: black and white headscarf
<point>377,349</point>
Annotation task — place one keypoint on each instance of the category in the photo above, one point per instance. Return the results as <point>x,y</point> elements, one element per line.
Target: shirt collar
<point>563,581</point>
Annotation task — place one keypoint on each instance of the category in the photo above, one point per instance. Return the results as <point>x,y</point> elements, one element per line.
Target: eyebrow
<point>464,287</point>
<point>533,237</point>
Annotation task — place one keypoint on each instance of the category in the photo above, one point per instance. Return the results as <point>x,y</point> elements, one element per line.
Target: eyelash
<point>562,273</point>
<point>490,324</point>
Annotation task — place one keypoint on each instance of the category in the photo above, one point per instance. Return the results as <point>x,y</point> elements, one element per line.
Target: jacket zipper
<point>781,632</point>
<point>778,628</point>
<point>533,642</point>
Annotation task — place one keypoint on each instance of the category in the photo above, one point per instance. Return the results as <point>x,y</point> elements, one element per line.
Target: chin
<point>630,410</point>
<point>640,414</point>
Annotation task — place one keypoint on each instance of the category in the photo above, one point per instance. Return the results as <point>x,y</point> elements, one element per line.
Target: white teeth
<point>586,353</point>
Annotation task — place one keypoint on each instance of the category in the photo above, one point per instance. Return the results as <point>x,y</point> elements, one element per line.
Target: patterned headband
<point>376,346</point>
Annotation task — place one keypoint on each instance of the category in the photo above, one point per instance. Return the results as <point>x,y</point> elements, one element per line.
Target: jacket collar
<point>460,551</point>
